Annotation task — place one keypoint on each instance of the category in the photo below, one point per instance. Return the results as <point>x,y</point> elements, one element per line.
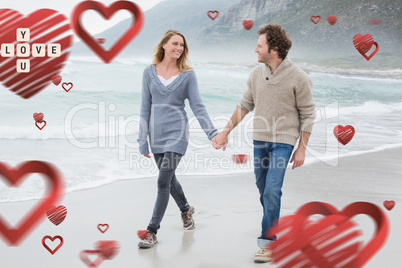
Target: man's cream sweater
<point>283,103</point>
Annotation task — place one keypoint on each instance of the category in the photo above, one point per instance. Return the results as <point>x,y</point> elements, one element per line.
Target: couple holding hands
<point>278,91</point>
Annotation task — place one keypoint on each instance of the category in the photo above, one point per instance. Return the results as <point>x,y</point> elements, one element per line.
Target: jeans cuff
<point>263,243</point>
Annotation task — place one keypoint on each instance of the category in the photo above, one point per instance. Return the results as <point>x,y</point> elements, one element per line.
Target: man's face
<point>262,49</point>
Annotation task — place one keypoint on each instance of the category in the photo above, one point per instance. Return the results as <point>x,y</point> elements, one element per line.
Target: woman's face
<point>174,47</point>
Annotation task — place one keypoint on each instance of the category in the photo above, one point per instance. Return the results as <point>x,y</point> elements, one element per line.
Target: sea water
<point>91,131</point>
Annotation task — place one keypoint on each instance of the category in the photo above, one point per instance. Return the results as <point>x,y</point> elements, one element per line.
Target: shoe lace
<point>186,217</point>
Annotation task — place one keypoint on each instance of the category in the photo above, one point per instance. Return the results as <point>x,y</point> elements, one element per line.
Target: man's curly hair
<point>277,37</point>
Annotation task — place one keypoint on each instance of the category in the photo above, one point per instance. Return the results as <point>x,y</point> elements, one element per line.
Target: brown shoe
<point>149,241</point>
<point>187,218</point>
<point>263,255</point>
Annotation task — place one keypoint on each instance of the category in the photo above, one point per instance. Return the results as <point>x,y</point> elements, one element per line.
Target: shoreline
<point>226,174</point>
<point>228,215</point>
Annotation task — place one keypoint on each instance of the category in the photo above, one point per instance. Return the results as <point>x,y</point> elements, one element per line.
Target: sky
<point>92,21</point>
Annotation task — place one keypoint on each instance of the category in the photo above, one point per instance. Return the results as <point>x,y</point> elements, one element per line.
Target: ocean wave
<point>395,74</point>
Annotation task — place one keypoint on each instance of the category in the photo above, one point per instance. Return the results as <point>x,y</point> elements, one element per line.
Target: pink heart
<point>38,117</point>
<point>56,79</point>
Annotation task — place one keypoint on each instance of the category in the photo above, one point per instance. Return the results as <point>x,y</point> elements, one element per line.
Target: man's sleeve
<point>247,101</point>
<point>305,105</point>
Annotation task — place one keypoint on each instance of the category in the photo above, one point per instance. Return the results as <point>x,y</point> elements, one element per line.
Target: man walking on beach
<point>281,95</point>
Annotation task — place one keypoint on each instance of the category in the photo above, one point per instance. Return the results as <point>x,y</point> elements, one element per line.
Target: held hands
<point>220,140</point>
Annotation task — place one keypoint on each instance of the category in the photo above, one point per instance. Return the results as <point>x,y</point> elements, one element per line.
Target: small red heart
<point>40,127</point>
<point>213,12</point>
<point>38,117</point>
<point>67,84</point>
<point>248,24</point>
<point>56,79</point>
<point>52,239</point>
<point>104,226</point>
<point>240,158</point>
<point>107,249</point>
<point>344,134</point>
<point>142,234</point>
<point>332,20</point>
<point>389,204</point>
<point>364,43</point>
<point>85,259</point>
<point>56,214</point>
<point>315,19</point>
<point>107,12</point>
<point>375,22</point>
<point>101,40</point>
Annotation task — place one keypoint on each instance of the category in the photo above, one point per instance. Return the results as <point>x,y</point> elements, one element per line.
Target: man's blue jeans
<point>270,162</point>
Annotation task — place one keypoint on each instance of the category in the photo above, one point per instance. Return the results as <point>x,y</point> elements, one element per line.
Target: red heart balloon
<point>44,25</point>
<point>103,227</point>
<point>213,12</point>
<point>107,249</point>
<point>67,86</point>
<point>142,234</point>
<point>315,19</point>
<point>339,222</point>
<point>38,117</point>
<point>56,79</point>
<point>85,259</point>
<point>389,204</point>
<point>240,158</point>
<point>14,177</point>
<point>41,122</point>
<point>344,134</point>
<point>332,20</point>
<point>364,43</point>
<point>52,239</point>
<point>56,214</point>
<point>248,24</point>
<point>107,12</point>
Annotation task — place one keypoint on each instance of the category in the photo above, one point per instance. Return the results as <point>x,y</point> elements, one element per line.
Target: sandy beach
<point>227,217</point>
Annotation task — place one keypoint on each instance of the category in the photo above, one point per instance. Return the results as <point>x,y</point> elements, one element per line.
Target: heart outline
<point>69,83</point>
<point>213,18</point>
<point>99,227</point>
<point>84,258</point>
<point>40,128</point>
<point>107,55</point>
<point>52,239</point>
<point>313,17</point>
<point>14,177</point>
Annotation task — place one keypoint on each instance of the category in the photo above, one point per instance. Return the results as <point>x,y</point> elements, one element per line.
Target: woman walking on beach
<point>165,86</point>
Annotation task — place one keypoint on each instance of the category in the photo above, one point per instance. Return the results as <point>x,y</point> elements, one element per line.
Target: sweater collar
<point>166,90</point>
<point>280,73</point>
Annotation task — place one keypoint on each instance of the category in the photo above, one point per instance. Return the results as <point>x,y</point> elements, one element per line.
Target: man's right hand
<point>220,140</point>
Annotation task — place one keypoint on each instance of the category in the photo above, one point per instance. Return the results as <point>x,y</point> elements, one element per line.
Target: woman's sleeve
<point>146,101</point>
<point>198,107</point>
